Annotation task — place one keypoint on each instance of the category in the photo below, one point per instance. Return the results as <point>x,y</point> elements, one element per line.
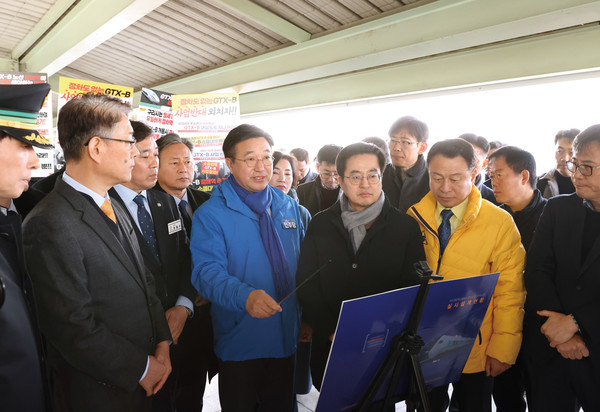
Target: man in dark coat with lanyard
<point>22,374</point>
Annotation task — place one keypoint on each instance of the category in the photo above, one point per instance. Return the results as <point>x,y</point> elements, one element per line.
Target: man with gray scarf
<point>372,247</point>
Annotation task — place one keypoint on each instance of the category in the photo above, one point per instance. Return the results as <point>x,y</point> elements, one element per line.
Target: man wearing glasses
<point>105,328</point>
<point>563,284</point>
<point>372,247</point>
<point>245,245</point>
<point>406,180</point>
<point>324,191</point>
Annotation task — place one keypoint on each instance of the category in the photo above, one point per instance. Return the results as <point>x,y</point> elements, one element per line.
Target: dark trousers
<point>561,385</point>
<point>257,385</point>
<point>509,389</point>
<point>164,400</point>
<point>318,360</point>
<point>473,392</point>
<point>195,349</point>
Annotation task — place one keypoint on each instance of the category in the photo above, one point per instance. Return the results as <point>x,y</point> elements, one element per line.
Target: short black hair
<point>478,141</point>
<point>241,133</point>
<point>277,156</point>
<point>380,143</point>
<point>141,131</point>
<point>569,134</point>
<point>300,154</point>
<point>518,160</point>
<point>328,153</point>
<point>583,139</point>
<point>413,126</point>
<point>496,144</point>
<point>172,138</point>
<point>358,149</point>
<point>452,148</point>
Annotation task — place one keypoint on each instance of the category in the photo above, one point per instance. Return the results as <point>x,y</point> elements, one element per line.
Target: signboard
<point>206,119</point>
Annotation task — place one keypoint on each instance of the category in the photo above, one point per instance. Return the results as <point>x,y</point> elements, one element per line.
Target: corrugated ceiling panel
<point>286,12</point>
<point>18,18</point>
<point>311,12</point>
<point>186,36</point>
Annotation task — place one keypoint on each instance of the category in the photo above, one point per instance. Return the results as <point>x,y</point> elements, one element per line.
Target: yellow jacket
<point>486,241</point>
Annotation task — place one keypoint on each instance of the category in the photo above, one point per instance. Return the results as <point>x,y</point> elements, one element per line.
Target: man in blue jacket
<point>245,245</point>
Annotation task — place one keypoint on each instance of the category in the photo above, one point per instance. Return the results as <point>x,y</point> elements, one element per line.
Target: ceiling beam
<point>267,19</point>
<point>55,12</point>
<point>8,65</point>
<point>88,24</point>
<point>568,51</point>
<point>452,25</point>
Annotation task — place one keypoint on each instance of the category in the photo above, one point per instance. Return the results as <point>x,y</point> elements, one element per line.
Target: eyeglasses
<point>404,143</point>
<point>329,175</point>
<point>253,161</point>
<point>372,178</point>
<point>131,142</point>
<point>585,170</point>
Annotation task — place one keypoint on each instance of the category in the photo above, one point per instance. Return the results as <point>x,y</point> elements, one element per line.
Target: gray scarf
<point>355,221</point>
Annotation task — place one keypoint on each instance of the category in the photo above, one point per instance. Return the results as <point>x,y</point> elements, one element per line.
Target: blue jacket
<point>230,261</point>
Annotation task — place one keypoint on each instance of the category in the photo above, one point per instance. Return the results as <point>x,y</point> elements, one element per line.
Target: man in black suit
<point>161,235</point>
<point>22,375</point>
<point>563,290</point>
<point>107,335</point>
<point>175,174</point>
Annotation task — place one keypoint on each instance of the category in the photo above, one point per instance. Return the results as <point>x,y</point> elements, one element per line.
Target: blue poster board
<point>453,313</point>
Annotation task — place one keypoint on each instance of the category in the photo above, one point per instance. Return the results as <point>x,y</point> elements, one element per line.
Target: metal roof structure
<point>289,53</point>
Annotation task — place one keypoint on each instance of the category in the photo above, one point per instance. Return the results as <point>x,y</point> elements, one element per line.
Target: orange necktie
<point>108,210</point>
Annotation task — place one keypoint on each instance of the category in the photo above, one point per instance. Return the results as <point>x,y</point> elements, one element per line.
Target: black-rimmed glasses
<point>131,142</point>
<point>585,170</point>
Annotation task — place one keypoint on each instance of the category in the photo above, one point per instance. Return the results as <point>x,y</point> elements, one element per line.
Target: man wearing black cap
<point>22,378</point>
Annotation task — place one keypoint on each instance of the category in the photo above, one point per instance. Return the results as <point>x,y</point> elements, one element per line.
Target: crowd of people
<point>124,289</point>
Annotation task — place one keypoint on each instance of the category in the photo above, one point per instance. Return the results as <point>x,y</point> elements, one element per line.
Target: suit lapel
<point>594,252</point>
<point>92,218</point>
<point>147,255</point>
<point>138,269</point>
<point>157,208</point>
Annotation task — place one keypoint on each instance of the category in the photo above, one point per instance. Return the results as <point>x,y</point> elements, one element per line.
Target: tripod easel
<point>403,353</point>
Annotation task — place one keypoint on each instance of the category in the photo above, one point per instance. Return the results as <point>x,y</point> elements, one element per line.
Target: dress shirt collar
<point>99,200</point>
<point>458,212</point>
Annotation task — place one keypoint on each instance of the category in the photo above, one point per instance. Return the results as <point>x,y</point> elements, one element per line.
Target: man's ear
<point>317,167</point>
<point>228,162</point>
<point>94,149</point>
<point>474,174</point>
<point>525,177</point>
<point>422,147</point>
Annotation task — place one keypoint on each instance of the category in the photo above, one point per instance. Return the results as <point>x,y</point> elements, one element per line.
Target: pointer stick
<point>305,280</point>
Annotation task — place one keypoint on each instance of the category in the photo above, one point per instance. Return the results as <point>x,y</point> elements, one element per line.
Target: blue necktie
<point>444,230</point>
<point>146,225</point>
<point>187,222</point>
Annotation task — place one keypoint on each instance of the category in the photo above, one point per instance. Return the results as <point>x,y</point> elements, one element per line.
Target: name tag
<point>175,226</point>
<point>289,224</point>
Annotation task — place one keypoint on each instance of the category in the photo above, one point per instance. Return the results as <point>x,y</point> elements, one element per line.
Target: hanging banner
<point>44,120</point>
<point>155,110</point>
<point>69,88</point>
<point>206,119</point>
